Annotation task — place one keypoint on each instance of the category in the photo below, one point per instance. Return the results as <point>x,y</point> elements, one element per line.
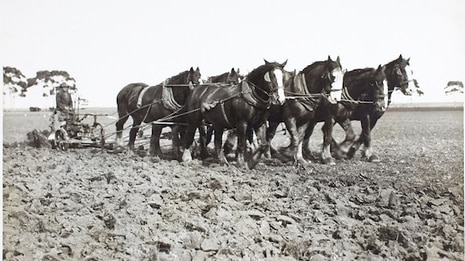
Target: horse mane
<point>360,71</point>
<point>138,84</point>
<point>312,66</point>
<point>179,78</point>
<point>260,70</point>
<point>218,77</point>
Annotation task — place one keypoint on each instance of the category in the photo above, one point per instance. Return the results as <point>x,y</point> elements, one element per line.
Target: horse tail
<point>122,102</point>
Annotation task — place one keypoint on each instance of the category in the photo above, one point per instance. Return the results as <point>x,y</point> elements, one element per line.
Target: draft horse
<point>227,78</point>
<point>365,92</point>
<point>150,103</point>
<point>316,87</point>
<point>243,107</point>
<point>397,76</point>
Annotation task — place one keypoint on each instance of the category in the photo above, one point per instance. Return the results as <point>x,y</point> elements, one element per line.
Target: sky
<point>107,44</point>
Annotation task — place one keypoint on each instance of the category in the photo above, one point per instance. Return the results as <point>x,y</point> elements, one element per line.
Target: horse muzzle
<point>335,96</point>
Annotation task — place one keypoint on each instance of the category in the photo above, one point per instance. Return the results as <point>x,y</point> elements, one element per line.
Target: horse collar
<point>250,95</point>
<point>346,95</point>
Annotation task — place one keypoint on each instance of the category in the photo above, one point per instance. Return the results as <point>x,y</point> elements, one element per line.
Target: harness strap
<point>346,95</point>
<point>141,95</point>
<point>210,106</point>
<point>224,114</point>
<point>168,98</point>
<point>307,99</point>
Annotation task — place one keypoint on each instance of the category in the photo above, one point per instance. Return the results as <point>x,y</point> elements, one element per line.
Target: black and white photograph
<point>232,130</point>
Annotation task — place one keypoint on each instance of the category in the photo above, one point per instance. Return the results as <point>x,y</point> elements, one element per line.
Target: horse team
<point>253,106</point>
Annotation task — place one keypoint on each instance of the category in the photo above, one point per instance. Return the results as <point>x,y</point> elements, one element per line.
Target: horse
<point>231,77</point>
<point>397,76</point>
<point>150,103</point>
<point>365,93</point>
<point>316,87</point>
<point>242,107</point>
<point>227,78</point>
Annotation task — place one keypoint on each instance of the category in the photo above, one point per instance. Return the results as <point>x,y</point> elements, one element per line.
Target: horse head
<point>233,76</point>
<point>399,76</point>
<point>380,88</point>
<point>269,80</point>
<point>275,78</point>
<point>193,76</point>
<point>333,78</point>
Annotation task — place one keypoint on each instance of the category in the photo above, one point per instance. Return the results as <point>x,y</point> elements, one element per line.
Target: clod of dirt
<point>38,139</point>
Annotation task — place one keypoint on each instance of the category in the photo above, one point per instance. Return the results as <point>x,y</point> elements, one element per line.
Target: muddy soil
<point>90,204</point>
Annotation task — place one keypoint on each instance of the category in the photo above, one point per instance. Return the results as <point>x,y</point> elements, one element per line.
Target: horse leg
<point>187,141</point>
<point>119,129</point>
<point>270,133</point>
<point>369,154</point>
<point>365,123</point>
<point>177,134</point>
<point>241,130</point>
<point>263,146</point>
<point>218,140</point>
<point>342,149</point>
<point>133,132</point>
<point>251,145</point>
<point>327,138</point>
<point>296,134</point>
<point>155,140</point>
<point>203,141</point>
<point>209,132</point>
<point>306,141</point>
<point>296,144</point>
<point>230,142</point>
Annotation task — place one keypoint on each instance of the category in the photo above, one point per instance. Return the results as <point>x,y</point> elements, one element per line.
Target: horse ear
<point>400,57</point>
<point>266,62</point>
<point>233,71</point>
<point>191,70</point>
<point>338,60</point>
<point>329,58</point>
<point>197,69</point>
<point>408,61</point>
<point>237,71</point>
<point>380,68</point>
<point>284,64</point>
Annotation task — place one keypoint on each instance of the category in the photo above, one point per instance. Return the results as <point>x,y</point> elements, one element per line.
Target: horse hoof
<point>329,161</point>
<point>186,156</point>
<point>119,149</point>
<point>351,154</point>
<point>301,163</point>
<point>374,159</point>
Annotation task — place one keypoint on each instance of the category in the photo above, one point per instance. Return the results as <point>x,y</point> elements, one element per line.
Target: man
<point>64,104</point>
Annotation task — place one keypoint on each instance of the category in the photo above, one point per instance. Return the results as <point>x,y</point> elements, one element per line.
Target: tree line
<point>14,81</point>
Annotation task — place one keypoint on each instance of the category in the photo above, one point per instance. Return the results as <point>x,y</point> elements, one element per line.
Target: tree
<point>454,87</point>
<point>49,80</point>
<point>417,87</point>
<point>13,80</point>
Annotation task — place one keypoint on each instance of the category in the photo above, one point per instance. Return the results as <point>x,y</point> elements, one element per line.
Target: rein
<point>179,85</point>
<point>346,97</point>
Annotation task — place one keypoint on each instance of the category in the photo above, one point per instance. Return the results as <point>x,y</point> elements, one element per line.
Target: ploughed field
<point>90,204</point>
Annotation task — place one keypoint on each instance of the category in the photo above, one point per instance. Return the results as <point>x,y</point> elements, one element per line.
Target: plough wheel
<point>60,141</point>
